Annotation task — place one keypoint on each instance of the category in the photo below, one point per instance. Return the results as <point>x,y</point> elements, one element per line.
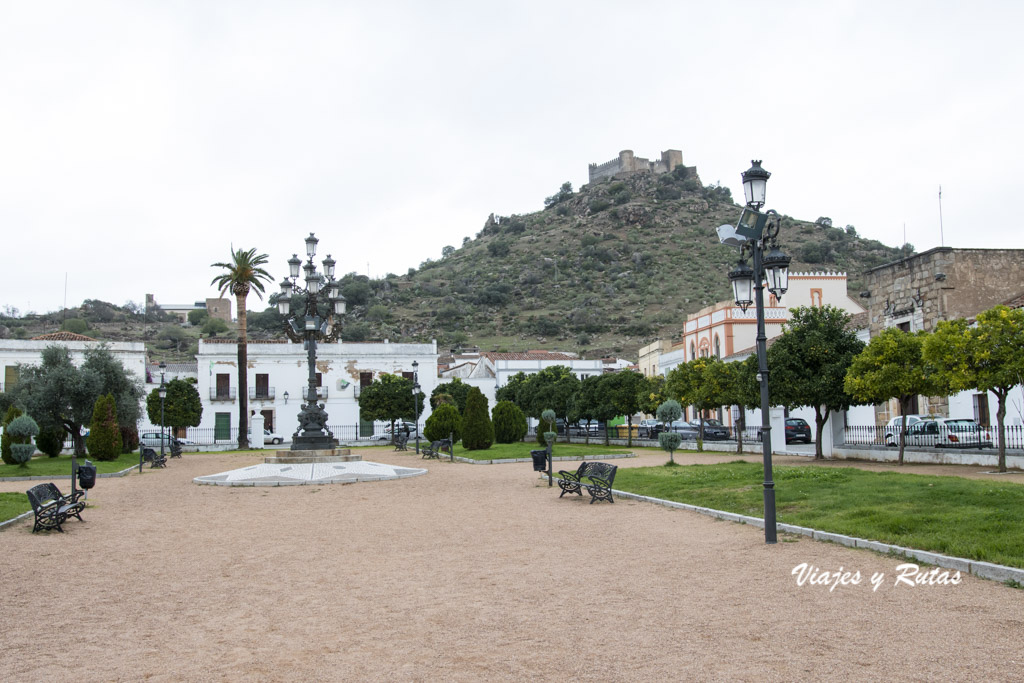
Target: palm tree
<point>243,274</point>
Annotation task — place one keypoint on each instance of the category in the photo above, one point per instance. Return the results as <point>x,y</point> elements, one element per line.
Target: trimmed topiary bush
<point>51,441</point>
<point>445,421</point>
<point>104,440</point>
<point>547,424</point>
<point>670,441</point>
<point>22,429</point>
<point>5,440</point>
<point>509,422</point>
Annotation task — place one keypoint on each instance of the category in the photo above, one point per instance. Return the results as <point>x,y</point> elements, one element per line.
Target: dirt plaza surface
<point>470,572</point>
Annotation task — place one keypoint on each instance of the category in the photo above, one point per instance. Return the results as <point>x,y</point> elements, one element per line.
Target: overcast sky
<point>140,140</point>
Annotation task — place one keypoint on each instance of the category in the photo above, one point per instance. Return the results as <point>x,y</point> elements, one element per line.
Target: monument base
<point>327,455</point>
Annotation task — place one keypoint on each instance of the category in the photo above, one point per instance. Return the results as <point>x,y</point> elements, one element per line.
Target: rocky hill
<point>601,271</point>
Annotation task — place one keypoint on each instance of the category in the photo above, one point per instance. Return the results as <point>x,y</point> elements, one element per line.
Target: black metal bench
<point>437,448</point>
<point>52,508</point>
<point>153,458</point>
<point>595,477</point>
<point>175,448</point>
<point>402,442</point>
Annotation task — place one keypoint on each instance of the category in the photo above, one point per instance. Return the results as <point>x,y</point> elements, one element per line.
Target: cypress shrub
<point>477,430</point>
<point>509,422</point>
<point>104,440</point>
<point>5,441</point>
<point>51,441</point>
<point>444,421</point>
<point>129,439</point>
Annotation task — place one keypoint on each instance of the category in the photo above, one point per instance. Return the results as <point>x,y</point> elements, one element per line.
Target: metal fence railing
<point>938,436</point>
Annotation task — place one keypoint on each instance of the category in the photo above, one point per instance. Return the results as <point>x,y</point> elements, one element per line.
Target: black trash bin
<point>86,475</point>
<point>540,460</point>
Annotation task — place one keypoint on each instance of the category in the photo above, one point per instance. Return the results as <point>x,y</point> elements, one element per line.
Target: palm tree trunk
<point>243,375</point>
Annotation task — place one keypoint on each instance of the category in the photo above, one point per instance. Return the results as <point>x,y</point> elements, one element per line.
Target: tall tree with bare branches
<point>243,273</point>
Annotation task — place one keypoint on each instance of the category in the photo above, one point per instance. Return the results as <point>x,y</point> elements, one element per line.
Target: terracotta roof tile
<point>63,336</point>
<point>529,355</point>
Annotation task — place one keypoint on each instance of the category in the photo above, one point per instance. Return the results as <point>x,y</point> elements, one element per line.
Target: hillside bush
<point>444,421</point>
<point>104,440</point>
<point>6,441</point>
<point>477,429</point>
<point>51,441</point>
<point>214,326</point>
<point>509,422</point>
<point>75,325</point>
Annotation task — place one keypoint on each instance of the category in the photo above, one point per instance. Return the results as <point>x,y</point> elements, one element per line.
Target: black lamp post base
<point>318,442</point>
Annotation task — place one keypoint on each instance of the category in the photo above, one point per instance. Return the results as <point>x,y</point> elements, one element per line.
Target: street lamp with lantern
<point>756,235</point>
<point>416,400</point>
<point>163,394</point>
<point>314,320</point>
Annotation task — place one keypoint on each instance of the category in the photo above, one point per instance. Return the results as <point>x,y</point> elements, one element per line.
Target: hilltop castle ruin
<point>628,163</point>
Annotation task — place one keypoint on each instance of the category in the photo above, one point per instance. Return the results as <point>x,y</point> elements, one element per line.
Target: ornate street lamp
<point>416,400</point>
<point>314,320</point>
<point>163,394</point>
<point>760,232</point>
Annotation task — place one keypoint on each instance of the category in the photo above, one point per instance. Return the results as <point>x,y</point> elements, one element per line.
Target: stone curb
<point>106,475</point>
<point>984,570</point>
<point>13,520</point>
<point>560,458</point>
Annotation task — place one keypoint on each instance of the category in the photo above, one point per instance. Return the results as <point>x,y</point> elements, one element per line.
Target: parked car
<point>892,427</point>
<point>714,430</point>
<point>949,433</point>
<point>271,437</point>
<point>797,429</point>
<point>591,428</point>
<point>648,429</point>
<point>402,427</point>
<point>152,440</point>
<point>680,427</point>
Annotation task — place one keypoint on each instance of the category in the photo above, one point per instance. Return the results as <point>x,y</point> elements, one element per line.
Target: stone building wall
<point>917,292</point>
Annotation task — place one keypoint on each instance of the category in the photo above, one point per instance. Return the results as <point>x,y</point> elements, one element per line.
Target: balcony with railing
<point>261,393</point>
<point>222,394</point>
<point>321,392</point>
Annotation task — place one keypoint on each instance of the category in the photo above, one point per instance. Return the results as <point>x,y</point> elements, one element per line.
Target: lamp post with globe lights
<point>757,239</point>
<point>314,320</point>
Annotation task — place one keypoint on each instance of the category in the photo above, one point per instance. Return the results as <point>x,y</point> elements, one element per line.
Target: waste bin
<point>86,475</point>
<point>540,460</point>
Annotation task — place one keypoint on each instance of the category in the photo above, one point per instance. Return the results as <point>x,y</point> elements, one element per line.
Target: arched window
<point>718,348</point>
<point>693,351</point>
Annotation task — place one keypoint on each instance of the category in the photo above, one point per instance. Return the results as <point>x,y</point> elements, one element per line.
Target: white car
<point>949,433</point>
<point>152,440</point>
<point>892,427</point>
<point>269,437</point>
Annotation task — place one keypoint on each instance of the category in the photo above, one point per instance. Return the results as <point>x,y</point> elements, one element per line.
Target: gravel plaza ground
<point>470,572</point>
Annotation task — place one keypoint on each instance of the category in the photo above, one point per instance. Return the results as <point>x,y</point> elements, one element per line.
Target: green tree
<point>668,412</point>
<point>595,401</point>
<point>6,441</point>
<point>389,398</point>
<point>456,388</point>
<point>104,440</point>
<point>511,391</point>
<point>652,394</point>
<point>175,337</point>
<point>892,365</point>
<point>738,388</point>
<point>22,429</point>
<point>243,273</point>
<point>698,384</point>
<point>509,422</point>
<point>198,316</point>
<point>986,357</point>
<point>75,326</point>
<point>808,363</point>
<point>443,422</point>
<point>564,192</point>
<point>553,387</point>
<point>477,429</point>
<point>626,388</point>
<point>214,326</point>
<point>182,405</point>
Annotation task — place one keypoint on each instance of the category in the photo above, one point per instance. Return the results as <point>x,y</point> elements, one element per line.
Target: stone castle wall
<point>627,162</point>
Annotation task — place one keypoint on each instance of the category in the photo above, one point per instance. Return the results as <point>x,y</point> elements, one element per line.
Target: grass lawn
<point>61,465</point>
<point>12,505</point>
<point>970,518</point>
<point>509,451</point>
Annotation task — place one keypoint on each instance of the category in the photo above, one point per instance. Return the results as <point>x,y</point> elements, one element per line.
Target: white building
<point>278,377</point>
<point>13,352</point>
